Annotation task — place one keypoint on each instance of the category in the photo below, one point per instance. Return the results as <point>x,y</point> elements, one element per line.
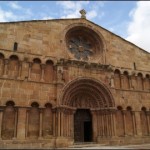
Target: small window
<point>15,46</point>
<point>134,66</point>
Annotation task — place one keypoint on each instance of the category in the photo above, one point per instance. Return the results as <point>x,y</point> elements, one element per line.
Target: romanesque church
<point>70,81</point>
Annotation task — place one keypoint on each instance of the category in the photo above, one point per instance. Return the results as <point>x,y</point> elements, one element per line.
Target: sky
<point>128,19</point>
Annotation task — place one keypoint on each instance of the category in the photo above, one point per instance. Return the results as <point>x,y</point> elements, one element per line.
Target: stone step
<point>86,144</point>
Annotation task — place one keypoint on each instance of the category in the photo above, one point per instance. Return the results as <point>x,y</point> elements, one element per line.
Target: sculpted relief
<point>83,101</point>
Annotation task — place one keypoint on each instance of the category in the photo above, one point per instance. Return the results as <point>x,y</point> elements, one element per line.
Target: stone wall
<point>36,68</point>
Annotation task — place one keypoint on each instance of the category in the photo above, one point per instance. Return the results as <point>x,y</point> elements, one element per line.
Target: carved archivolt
<point>86,93</point>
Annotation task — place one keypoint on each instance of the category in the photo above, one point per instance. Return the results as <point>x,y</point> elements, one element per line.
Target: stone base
<point>62,142</point>
<point>126,140</point>
<point>27,144</point>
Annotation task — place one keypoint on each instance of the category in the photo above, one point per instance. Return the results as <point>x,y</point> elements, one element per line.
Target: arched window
<point>13,67</point>
<point>147,82</point>
<point>1,64</point>
<point>126,84</point>
<point>117,79</point>
<point>8,123</point>
<point>36,70</point>
<point>34,121</point>
<point>129,121</point>
<point>120,122</point>
<point>140,81</point>
<point>47,121</point>
<point>49,71</point>
<point>144,123</point>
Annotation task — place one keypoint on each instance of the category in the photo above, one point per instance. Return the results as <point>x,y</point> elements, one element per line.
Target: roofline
<point>76,19</point>
<point>38,20</point>
<point>120,37</point>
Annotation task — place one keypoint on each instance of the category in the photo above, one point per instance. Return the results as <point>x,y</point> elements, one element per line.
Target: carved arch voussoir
<point>98,93</point>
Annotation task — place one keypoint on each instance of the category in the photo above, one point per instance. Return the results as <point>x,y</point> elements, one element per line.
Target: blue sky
<point>128,19</point>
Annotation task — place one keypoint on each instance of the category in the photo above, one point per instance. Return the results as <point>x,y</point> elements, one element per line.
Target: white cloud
<point>6,15</point>
<point>47,17</point>
<point>139,27</point>
<point>71,8</point>
<point>15,5</point>
<point>12,15</point>
<point>91,14</point>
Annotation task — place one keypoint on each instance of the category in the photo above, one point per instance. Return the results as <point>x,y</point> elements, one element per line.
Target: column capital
<point>6,61</point>
<point>30,64</point>
<point>43,66</point>
<point>124,111</point>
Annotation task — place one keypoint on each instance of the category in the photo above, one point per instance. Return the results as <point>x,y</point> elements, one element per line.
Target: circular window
<point>83,43</point>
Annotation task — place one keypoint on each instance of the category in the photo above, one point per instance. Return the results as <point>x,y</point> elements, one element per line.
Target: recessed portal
<point>87,131</point>
<point>83,126</point>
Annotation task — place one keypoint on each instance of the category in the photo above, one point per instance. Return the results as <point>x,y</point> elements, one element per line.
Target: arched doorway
<point>83,126</point>
<point>90,102</point>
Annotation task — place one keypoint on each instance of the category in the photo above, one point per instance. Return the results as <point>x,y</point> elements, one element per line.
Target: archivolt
<point>94,89</point>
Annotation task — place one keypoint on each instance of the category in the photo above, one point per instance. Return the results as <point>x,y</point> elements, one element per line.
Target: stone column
<point>106,123</point>
<point>103,124</point>
<point>94,123</point>
<point>42,74</point>
<point>21,125</point>
<point>16,118</point>
<point>113,122</point>
<point>138,123</point>
<point>122,81</point>
<point>62,122</point>
<point>112,82</point>
<point>29,72</point>
<point>124,121</point>
<point>54,122</point>
<point>133,122</point>
<point>98,123</point>
<point>67,123</point>
<point>148,121</point>
<point>130,82</point>
<point>6,61</point>
<point>110,124</point>
<point>72,123</point>
<point>27,123</point>
<point>1,119</point>
<point>59,123</point>
<point>41,124</point>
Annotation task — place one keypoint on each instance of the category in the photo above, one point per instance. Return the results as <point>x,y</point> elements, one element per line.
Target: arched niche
<point>117,79</point>
<point>144,121</point>
<point>129,121</point>
<point>147,82</point>
<point>1,64</point>
<point>86,93</point>
<point>140,81</point>
<point>126,83</point>
<point>49,71</point>
<point>8,121</point>
<point>33,120</point>
<point>36,69</point>
<point>120,122</point>
<point>47,121</point>
<point>13,67</point>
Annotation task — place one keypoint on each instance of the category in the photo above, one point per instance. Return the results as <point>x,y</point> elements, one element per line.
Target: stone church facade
<point>69,81</point>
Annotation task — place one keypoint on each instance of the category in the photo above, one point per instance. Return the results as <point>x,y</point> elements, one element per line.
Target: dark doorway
<point>83,126</point>
<point>87,131</point>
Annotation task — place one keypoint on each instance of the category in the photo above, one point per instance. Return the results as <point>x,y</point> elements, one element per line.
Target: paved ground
<point>138,147</point>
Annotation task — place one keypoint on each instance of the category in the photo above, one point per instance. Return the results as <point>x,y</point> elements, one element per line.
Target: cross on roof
<point>83,13</point>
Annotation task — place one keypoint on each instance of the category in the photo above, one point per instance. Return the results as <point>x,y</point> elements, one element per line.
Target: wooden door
<point>82,126</point>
